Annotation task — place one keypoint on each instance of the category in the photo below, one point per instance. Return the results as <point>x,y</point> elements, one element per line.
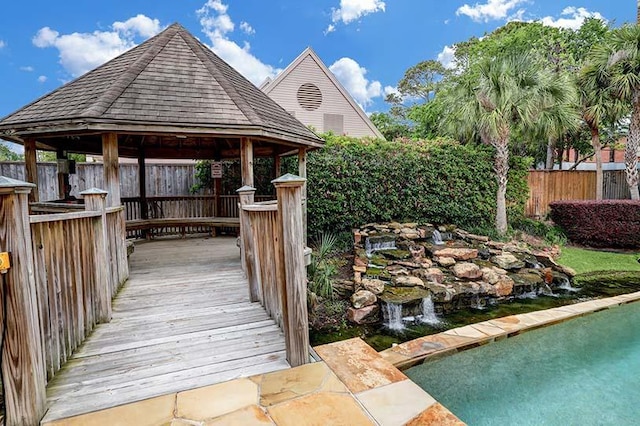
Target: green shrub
<point>353,182</point>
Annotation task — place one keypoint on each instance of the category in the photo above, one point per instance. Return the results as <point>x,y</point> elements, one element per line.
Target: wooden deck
<point>183,320</point>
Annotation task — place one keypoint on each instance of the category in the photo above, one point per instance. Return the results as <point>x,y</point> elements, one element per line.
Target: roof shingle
<point>171,79</point>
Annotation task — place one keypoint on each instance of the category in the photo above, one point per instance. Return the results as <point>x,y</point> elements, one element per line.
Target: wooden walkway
<point>183,320</point>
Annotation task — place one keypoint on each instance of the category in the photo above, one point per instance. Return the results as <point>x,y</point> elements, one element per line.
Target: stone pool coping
<point>352,385</point>
<point>414,352</point>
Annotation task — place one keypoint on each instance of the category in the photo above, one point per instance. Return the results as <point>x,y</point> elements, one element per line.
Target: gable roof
<point>268,85</point>
<point>171,81</point>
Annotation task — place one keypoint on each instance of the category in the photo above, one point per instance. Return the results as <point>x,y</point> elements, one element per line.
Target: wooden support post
<point>142,180</point>
<point>246,162</point>
<point>111,168</point>
<point>277,166</point>
<point>217,188</point>
<point>247,248</point>
<point>302,172</point>
<point>290,223</point>
<point>31,165</point>
<point>95,200</point>
<point>64,189</point>
<point>23,368</point>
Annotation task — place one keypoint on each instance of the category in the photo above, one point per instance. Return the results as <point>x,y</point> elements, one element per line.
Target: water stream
<point>393,316</point>
<point>370,247</point>
<point>429,312</point>
<point>437,238</point>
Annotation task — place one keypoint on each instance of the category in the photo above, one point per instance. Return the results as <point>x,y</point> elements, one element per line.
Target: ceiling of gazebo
<point>170,97</point>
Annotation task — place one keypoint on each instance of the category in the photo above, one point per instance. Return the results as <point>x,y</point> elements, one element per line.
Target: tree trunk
<point>551,144</point>
<point>631,148</point>
<point>501,168</point>
<point>597,148</point>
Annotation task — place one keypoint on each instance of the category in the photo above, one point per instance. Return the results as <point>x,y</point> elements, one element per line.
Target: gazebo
<point>172,98</point>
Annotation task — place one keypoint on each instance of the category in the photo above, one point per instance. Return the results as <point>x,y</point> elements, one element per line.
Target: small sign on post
<point>216,170</point>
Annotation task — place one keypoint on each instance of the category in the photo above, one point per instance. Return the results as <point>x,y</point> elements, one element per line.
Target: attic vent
<point>309,97</point>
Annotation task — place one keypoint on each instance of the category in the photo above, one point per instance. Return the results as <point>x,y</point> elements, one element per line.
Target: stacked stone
<point>465,270</point>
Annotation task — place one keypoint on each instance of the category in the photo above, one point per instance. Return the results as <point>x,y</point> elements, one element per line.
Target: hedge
<point>608,223</point>
<point>353,182</point>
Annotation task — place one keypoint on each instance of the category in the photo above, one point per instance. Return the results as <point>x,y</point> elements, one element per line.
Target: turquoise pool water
<point>585,371</point>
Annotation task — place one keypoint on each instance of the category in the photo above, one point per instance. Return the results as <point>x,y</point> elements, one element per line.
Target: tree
<point>597,105</point>
<point>421,80</point>
<point>619,61</point>
<point>7,155</point>
<point>508,93</point>
<point>390,125</point>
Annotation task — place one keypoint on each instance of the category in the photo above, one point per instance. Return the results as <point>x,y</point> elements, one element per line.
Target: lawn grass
<point>585,261</point>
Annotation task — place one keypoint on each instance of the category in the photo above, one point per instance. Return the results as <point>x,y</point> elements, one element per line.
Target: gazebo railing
<point>272,237</point>
<point>65,268</point>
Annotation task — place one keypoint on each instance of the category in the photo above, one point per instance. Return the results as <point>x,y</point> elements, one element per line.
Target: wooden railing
<point>66,283</point>
<point>65,268</point>
<point>184,207</point>
<point>116,246</point>
<point>273,259</point>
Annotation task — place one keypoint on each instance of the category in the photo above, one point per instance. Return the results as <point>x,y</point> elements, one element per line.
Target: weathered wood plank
<point>23,369</point>
<point>110,168</point>
<point>193,329</point>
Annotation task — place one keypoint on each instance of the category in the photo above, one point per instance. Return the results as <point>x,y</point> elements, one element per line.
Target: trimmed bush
<point>607,223</point>
<point>353,182</point>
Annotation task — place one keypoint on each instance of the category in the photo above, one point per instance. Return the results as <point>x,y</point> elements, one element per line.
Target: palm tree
<point>620,60</point>
<point>508,92</point>
<point>597,105</point>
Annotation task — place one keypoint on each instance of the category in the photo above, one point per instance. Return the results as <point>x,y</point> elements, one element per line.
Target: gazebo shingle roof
<point>171,80</point>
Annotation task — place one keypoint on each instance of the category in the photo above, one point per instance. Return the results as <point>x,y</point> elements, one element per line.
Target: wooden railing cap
<point>13,185</point>
<point>246,189</point>
<point>289,180</point>
<point>94,191</point>
<point>7,182</point>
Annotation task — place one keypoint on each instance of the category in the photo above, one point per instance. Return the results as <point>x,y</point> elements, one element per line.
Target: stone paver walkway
<point>352,386</point>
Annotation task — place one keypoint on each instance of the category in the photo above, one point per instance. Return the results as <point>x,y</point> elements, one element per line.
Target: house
<point>612,158</point>
<point>308,90</point>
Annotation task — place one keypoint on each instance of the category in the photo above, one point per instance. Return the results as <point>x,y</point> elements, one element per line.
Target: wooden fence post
<point>95,200</point>
<point>23,371</point>
<point>289,190</point>
<point>247,248</point>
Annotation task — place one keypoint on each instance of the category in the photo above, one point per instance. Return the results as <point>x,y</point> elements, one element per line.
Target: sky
<point>368,44</point>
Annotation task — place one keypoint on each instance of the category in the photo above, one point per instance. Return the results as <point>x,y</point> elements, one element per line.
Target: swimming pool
<point>585,371</point>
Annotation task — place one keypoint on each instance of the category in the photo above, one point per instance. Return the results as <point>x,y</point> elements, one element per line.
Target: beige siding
<point>333,102</point>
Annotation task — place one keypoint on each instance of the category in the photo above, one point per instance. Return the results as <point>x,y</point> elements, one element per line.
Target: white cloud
<point>139,24</point>
<point>28,68</point>
<point>42,79</point>
<point>447,57</point>
<point>217,24</point>
<point>389,90</point>
<point>574,17</point>
<point>3,44</point>
<point>352,77</point>
<point>491,10</point>
<point>247,28</point>
<point>81,52</point>
<point>352,10</point>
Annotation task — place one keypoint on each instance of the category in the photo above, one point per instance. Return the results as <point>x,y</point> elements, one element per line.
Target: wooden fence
<point>161,179</point>
<point>547,186</point>
<point>65,269</point>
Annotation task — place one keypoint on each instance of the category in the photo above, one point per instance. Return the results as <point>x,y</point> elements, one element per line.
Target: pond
<point>381,337</point>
